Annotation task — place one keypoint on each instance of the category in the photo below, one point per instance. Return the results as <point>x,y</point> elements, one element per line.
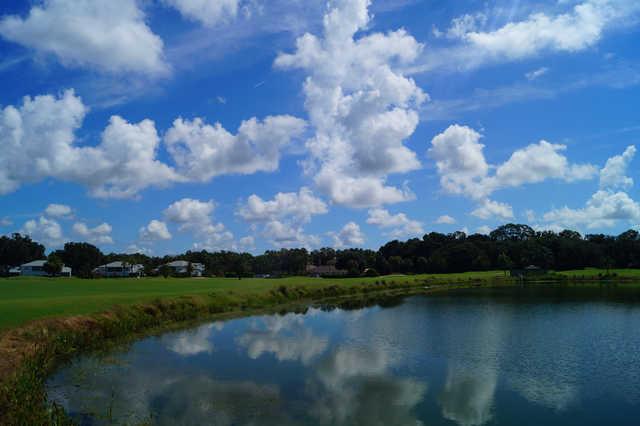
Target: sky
<point>159,126</point>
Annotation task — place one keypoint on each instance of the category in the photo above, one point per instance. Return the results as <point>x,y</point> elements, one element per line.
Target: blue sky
<point>166,125</point>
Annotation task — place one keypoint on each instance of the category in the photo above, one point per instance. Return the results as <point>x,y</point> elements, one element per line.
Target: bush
<point>371,272</point>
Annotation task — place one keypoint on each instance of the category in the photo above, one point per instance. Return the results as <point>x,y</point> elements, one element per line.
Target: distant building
<point>325,271</point>
<point>119,269</point>
<point>36,269</point>
<point>181,267</point>
<point>13,272</point>
<point>529,271</point>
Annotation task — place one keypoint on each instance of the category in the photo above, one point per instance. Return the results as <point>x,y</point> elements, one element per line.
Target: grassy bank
<point>44,322</point>
<point>54,329</point>
<point>23,299</point>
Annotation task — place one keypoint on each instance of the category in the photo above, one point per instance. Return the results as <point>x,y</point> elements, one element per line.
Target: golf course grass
<point>23,299</point>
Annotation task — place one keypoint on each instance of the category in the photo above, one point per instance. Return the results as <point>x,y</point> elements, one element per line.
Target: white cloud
<point>490,209</point>
<point>484,230</point>
<point>196,217</point>
<point>399,225</point>
<point>100,234</point>
<point>603,210</point>
<point>207,12</point>
<point>575,30</point>
<point>154,231</point>
<point>445,220</point>
<point>361,106</point>
<point>460,160</point>
<point>44,230</point>
<point>537,73</point>
<point>38,142</point>
<point>284,216</point>
<point>58,211</point>
<point>247,243</point>
<point>464,170</point>
<point>107,35</point>
<point>190,213</point>
<point>349,236</point>
<point>607,206</point>
<point>202,151</point>
<point>282,234</point>
<point>5,221</point>
<point>613,174</point>
<point>301,206</point>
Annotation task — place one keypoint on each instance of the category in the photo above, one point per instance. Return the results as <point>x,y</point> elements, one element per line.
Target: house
<point>529,271</point>
<point>14,272</point>
<point>119,269</point>
<point>36,268</point>
<point>181,267</point>
<point>325,271</point>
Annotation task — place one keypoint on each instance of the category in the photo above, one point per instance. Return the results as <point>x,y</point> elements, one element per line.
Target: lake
<point>423,361</point>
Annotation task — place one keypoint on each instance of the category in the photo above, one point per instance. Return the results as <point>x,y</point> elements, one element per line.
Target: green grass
<point>594,272</point>
<point>26,298</point>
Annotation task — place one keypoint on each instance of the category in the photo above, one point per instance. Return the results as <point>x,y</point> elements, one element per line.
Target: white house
<point>36,268</point>
<point>181,267</point>
<point>119,269</point>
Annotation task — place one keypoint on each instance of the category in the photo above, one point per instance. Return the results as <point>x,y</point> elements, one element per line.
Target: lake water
<point>426,361</point>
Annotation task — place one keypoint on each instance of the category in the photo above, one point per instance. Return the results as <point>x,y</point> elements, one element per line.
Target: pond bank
<point>28,354</point>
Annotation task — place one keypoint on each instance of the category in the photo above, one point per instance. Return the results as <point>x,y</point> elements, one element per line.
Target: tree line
<point>509,246</point>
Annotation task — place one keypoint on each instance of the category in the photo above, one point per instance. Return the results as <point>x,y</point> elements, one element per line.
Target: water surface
<point>427,361</point>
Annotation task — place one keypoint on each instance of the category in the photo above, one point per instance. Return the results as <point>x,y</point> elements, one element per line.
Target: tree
<point>18,249</point>
<point>504,262</point>
<point>165,271</point>
<point>53,265</point>
<point>81,257</point>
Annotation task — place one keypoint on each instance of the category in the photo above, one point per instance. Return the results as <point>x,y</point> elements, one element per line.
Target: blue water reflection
<point>427,361</point>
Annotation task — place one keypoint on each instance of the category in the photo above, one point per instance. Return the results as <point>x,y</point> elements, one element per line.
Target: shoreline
<point>32,352</point>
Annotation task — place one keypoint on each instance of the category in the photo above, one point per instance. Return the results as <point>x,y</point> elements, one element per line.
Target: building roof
<point>118,264</point>
<point>34,263</point>
<point>183,264</point>
<point>178,263</point>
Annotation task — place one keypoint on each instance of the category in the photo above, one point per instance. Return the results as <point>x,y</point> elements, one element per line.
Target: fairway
<point>26,298</point>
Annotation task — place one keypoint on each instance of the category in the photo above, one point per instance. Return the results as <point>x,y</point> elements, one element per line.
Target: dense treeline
<point>509,246</point>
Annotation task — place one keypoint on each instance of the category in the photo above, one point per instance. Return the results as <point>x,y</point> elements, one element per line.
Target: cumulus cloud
<point>190,213</point>
<point>100,234</point>
<point>349,236</point>
<point>493,209</point>
<point>464,170</point>
<point>106,35</point>
<point>398,225</point>
<point>282,234</point>
<point>283,217</point>
<point>58,211</point>
<point>360,105</point>
<point>445,220</point>
<point>603,210</point>
<point>44,230</point>
<point>202,151</point>
<point>38,142</point>
<point>609,205</point>
<point>207,12</point>
<point>613,174</point>
<point>154,231</point>
<point>300,206</point>
<point>196,217</point>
